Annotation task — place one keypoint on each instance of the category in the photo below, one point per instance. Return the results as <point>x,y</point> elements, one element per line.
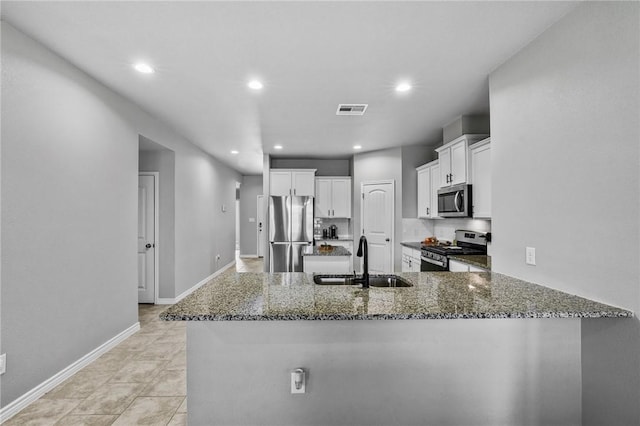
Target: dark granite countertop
<point>480,261</point>
<point>434,295</point>
<point>315,251</point>
<point>412,244</point>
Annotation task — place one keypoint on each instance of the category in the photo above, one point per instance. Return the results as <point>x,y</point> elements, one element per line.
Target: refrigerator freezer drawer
<point>280,255</point>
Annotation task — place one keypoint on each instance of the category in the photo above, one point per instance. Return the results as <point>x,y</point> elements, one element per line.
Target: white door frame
<point>156,231</point>
<point>393,213</point>
<point>259,218</point>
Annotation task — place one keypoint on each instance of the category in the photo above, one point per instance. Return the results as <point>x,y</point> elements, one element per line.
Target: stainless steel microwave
<point>455,201</point>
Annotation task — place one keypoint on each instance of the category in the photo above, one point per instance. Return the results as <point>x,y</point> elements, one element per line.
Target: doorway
<point>377,219</point>
<point>147,237</point>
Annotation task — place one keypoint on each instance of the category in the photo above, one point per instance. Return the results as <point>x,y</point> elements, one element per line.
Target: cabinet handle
<point>333,212</point>
<point>294,191</point>
<point>427,211</point>
<point>328,212</point>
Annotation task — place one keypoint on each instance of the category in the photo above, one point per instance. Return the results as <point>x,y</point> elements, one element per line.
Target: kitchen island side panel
<point>445,372</point>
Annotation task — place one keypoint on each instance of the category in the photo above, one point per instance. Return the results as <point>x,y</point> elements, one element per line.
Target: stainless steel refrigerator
<point>290,231</point>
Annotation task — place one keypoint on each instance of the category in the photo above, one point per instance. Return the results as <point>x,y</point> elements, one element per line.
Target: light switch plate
<point>3,363</point>
<point>303,382</point>
<point>530,256</point>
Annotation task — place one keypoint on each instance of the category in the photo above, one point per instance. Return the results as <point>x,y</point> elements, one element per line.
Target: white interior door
<point>146,239</point>
<point>261,241</point>
<point>377,224</point>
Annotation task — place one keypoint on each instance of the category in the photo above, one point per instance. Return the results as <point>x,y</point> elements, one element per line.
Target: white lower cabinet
<point>457,266</point>
<point>348,244</point>
<point>327,264</point>
<point>410,260</point>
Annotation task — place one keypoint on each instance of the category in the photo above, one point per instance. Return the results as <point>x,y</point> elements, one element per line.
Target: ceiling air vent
<point>351,109</point>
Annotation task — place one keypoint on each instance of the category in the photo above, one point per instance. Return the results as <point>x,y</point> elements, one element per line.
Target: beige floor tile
<point>138,342</point>
<point>113,360</point>
<point>80,385</point>
<point>87,420</point>
<point>43,412</point>
<point>178,362</point>
<point>183,407</point>
<point>111,398</point>
<point>178,419</point>
<point>138,371</point>
<point>167,383</point>
<point>157,352</point>
<point>149,411</point>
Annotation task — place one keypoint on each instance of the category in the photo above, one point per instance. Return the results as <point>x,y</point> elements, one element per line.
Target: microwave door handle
<point>455,201</point>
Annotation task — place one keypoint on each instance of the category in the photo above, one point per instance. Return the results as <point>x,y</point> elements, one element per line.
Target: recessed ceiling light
<point>255,85</point>
<point>403,87</point>
<point>277,147</point>
<point>234,152</point>
<point>357,147</point>
<point>144,68</point>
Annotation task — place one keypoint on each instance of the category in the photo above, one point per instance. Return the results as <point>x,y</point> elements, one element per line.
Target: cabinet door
<point>444,161</point>
<point>323,198</point>
<point>455,266</point>
<point>459,163</point>
<point>280,183</point>
<point>435,184</point>
<point>424,193</point>
<point>341,198</point>
<point>481,180</point>
<point>303,183</point>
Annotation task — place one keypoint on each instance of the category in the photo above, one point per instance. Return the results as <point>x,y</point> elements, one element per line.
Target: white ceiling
<point>311,56</point>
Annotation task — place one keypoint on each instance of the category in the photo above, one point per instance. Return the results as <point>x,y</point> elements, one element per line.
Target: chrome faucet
<point>364,252</point>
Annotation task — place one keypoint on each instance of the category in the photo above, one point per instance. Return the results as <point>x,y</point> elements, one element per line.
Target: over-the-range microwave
<point>455,201</point>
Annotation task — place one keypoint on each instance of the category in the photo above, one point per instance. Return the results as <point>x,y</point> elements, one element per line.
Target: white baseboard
<point>23,401</point>
<point>171,301</point>
<point>249,256</point>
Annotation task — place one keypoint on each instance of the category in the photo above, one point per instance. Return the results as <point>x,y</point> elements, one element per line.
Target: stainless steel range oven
<point>436,258</point>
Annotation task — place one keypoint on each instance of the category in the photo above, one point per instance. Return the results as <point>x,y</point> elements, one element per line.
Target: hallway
<point>140,381</point>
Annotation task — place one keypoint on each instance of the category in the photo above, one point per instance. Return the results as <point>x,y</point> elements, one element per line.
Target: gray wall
<point>565,155</point>
<point>69,212</point>
<point>436,372</point>
<point>332,167</point>
<point>412,157</point>
<point>372,166</point>
<point>164,161</point>
<point>249,190</point>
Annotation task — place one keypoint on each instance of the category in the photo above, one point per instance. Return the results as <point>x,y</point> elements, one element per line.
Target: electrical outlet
<point>3,363</point>
<point>530,256</point>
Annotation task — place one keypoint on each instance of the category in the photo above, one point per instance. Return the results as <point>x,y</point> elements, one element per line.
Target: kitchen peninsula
<point>456,348</point>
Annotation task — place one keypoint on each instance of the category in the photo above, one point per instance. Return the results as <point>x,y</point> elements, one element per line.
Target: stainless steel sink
<point>374,280</point>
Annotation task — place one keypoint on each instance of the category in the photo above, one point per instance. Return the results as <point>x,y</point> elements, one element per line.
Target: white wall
<point>412,157</point>
<point>69,212</point>
<point>374,166</point>
<point>435,372</point>
<point>249,190</point>
<point>565,156</point>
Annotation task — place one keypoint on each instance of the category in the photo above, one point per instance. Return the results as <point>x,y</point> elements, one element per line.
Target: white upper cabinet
<point>428,184</point>
<point>292,182</point>
<point>453,159</point>
<point>333,197</point>
<point>481,178</point>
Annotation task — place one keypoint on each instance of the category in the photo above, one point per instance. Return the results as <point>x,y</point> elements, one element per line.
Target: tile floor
<point>142,381</point>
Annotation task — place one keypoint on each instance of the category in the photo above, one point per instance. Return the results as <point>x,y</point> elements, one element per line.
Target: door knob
<point>148,246</point>
<point>386,239</point>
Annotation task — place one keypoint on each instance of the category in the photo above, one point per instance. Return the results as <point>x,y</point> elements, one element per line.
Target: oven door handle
<point>432,261</point>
